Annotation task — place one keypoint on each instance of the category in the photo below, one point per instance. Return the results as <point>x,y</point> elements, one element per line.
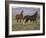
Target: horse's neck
<point>35,13</point>
<point>21,14</point>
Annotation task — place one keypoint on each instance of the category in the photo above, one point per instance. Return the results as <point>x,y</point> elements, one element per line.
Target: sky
<point>26,11</point>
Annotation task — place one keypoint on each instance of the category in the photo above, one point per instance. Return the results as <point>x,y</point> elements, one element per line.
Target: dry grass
<point>24,26</point>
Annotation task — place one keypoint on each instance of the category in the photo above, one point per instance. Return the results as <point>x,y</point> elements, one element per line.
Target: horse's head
<point>21,12</point>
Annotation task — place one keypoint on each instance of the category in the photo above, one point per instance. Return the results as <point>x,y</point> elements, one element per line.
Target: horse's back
<point>27,16</point>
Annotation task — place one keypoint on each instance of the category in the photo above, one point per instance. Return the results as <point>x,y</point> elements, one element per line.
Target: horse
<point>31,18</point>
<point>19,16</point>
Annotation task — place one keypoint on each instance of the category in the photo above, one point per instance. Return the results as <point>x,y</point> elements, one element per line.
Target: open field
<point>26,26</point>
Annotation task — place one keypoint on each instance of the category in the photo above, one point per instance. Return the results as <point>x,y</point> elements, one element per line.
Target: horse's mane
<point>35,13</point>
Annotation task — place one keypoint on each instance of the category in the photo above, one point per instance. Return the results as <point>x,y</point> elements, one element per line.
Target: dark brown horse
<point>19,16</point>
<point>31,18</point>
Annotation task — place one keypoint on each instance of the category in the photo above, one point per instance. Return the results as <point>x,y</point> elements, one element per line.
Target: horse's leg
<point>26,20</point>
<point>20,20</point>
<point>35,21</point>
<point>17,20</point>
<point>31,21</point>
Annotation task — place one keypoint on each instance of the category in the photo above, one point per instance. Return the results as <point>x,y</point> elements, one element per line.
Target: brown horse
<point>19,16</point>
